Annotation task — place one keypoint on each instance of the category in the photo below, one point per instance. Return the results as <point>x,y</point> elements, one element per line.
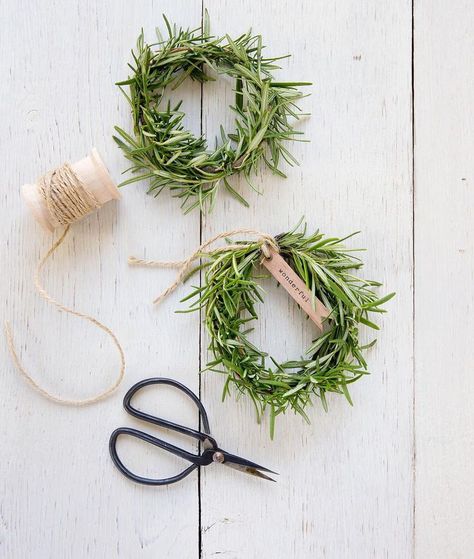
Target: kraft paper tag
<point>295,286</point>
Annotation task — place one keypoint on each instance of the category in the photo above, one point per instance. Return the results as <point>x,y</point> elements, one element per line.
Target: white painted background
<point>390,477</point>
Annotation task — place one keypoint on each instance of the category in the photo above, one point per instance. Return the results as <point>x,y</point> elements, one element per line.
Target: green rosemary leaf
<point>235,194</point>
<point>206,27</point>
<point>346,393</point>
<point>379,302</point>
<point>368,323</point>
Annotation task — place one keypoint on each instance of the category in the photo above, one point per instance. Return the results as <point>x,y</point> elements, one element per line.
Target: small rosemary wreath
<point>334,359</point>
<point>164,152</point>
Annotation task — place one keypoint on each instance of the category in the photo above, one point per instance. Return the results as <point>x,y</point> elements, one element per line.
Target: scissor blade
<point>246,466</point>
<point>248,470</point>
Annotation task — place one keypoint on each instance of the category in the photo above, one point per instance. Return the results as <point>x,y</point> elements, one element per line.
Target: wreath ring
<point>227,297</point>
<point>162,151</point>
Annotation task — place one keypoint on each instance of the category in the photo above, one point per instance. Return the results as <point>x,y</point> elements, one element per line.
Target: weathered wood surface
<point>347,484</point>
<point>444,272</point>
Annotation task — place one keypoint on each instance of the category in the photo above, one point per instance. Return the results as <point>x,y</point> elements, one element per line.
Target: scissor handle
<point>196,459</point>
<point>202,436</point>
<point>156,442</point>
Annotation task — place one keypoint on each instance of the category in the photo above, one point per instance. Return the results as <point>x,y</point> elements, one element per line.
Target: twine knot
<point>264,242</point>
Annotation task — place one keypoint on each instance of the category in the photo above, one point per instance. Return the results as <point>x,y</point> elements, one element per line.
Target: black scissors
<point>211,450</point>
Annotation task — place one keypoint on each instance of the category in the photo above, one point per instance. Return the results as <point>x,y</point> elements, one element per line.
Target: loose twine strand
<point>264,240</point>
<point>67,200</point>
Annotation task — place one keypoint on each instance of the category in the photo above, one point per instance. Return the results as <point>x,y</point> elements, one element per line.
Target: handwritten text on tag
<point>295,286</point>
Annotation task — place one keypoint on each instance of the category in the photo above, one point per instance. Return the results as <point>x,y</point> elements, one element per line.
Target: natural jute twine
<point>263,240</point>
<point>66,197</point>
<point>67,200</point>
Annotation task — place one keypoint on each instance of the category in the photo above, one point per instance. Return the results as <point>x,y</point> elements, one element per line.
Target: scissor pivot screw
<point>218,457</point>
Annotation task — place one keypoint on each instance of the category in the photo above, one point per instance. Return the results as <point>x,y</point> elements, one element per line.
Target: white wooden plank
<point>59,493</point>
<point>346,483</point>
<point>444,256</point>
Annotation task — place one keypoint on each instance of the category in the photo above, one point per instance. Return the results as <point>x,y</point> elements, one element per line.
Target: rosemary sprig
<point>331,363</point>
<point>162,151</point>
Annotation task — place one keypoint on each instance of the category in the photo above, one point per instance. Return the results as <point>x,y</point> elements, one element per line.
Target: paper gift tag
<point>295,286</point>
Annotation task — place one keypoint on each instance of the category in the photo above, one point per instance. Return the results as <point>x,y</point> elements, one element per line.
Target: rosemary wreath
<point>333,361</point>
<point>167,154</point>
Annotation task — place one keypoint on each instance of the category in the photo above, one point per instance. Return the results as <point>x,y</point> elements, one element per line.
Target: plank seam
<point>413,273</point>
<point>200,324</point>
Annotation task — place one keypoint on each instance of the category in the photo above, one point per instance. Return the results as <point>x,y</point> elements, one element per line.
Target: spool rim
<point>105,175</point>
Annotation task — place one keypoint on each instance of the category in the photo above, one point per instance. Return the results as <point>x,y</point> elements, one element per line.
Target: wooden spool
<point>93,174</point>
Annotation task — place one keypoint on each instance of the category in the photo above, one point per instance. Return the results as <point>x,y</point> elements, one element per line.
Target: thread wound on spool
<point>70,192</point>
<point>66,198</point>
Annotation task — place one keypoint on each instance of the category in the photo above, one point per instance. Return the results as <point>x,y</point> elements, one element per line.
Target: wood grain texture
<point>444,326</point>
<point>60,495</point>
<point>345,487</point>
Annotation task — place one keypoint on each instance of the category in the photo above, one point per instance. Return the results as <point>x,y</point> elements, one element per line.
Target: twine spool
<point>58,199</point>
<point>89,175</point>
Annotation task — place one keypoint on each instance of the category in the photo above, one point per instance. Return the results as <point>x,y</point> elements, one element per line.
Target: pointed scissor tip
<point>258,473</point>
<point>243,465</point>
